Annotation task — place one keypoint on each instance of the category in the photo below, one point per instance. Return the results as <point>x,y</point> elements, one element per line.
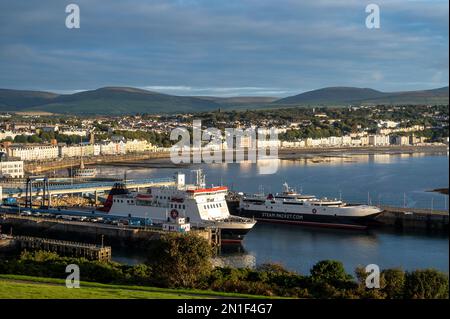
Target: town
<point>30,138</point>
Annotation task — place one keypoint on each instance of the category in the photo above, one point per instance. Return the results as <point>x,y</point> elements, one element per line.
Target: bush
<point>393,283</point>
<point>426,284</point>
<point>180,260</point>
<point>331,272</point>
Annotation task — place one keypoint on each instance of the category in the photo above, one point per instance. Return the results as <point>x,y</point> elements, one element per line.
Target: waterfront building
<point>76,150</point>
<point>399,140</point>
<point>111,148</point>
<point>378,140</point>
<point>34,152</point>
<point>137,146</point>
<point>10,168</point>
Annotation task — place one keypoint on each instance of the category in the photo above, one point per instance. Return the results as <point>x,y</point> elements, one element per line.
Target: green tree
<point>426,284</point>
<point>393,283</point>
<point>180,260</point>
<point>329,271</point>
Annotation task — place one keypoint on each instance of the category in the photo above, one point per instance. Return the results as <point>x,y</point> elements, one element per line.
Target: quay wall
<point>413,218</point>
<point>110,235</point>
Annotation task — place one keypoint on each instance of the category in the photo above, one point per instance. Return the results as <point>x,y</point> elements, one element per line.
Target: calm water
<point>386,179</point>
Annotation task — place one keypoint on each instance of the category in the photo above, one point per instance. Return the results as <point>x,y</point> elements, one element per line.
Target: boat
<point>295,208</point>
<point>199,205</point>
<point>81,171</point>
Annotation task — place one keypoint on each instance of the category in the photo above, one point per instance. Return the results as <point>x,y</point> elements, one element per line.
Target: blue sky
<point>224,47</point>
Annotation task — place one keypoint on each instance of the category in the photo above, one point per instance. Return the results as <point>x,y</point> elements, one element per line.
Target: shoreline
<point>162,159</point>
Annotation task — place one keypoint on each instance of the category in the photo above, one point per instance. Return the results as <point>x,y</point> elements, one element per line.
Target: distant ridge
<point>128,100</point>
<point>352,95</point>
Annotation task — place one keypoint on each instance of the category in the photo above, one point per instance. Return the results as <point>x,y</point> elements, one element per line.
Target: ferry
<point>199,205</point>
<point>294,208</point>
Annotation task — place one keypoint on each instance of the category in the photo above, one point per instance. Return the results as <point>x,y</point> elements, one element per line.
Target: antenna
<point>200,180</point>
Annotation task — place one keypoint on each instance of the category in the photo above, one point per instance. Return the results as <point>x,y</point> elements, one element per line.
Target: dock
<point>414,218</point>
<point>64,248</point>
<point>113,235</point>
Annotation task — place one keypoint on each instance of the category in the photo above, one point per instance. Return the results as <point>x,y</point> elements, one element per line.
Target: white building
<point>11,169</point>
<point>379,140</point>
<point>400,140</point>
<point>73,131</point>
<point>136,146</point>
<point>76,150</point>
<point>6,134</point>
<point>34,152</point>
<point>111,148</point>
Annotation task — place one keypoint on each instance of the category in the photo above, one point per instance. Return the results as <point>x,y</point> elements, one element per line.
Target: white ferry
<point>200,206</point>
<point>294,208</point>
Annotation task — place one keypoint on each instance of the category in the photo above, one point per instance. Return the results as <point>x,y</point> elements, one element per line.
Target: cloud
<point>242,47</point>
<point>221,91</point>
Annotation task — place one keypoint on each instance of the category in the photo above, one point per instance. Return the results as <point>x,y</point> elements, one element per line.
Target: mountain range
<point>127,100</point>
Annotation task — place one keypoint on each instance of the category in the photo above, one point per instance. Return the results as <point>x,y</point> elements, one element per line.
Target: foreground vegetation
<point>183,261</point>
<point>17,287</point>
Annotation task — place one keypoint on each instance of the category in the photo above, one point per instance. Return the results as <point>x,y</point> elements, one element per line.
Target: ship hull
<point>233,235</point>
<point>315,220</point>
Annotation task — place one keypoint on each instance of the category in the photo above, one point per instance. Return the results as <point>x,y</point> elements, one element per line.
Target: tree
<point>331,272</point>
<point>426,284</point>
<point>393,283</point>
<point>180,260</point>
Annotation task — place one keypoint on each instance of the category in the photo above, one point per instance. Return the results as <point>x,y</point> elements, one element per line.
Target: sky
<point>224,47</point>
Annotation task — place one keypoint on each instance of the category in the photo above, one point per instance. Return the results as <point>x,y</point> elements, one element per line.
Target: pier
<point>414,218</point>
<point>64,248</point>
<point>113,235</point>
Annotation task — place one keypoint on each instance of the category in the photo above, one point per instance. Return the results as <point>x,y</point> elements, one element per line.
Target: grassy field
<point>18,287</point>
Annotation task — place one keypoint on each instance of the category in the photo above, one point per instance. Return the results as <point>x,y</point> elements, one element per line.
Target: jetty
<point>64,248</point>
<point>115,235</point>
<point>414,218</point>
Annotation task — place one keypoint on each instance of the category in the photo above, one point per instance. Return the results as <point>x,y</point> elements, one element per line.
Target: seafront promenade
<point>162,159</point>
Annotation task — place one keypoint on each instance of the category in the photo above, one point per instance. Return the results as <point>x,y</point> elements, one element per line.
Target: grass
<point>27,287</point>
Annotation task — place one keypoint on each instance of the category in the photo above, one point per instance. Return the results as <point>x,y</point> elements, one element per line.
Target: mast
<point>199,178</point>
<point>81,157</point>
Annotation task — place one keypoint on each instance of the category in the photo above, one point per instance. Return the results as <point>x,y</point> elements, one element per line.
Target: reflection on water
<point>299,248</point>
<point>235,257</point>
<point>391,179</point>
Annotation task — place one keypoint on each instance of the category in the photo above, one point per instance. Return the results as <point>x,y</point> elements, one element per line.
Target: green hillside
<point>19,287</point>
<point>342,96</point>
<point>126,100</point>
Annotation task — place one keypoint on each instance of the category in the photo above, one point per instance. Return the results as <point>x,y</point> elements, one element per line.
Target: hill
<point>21,99</point>
<point>120,100</point>
<point>352,95</point>
<point>126,100</point>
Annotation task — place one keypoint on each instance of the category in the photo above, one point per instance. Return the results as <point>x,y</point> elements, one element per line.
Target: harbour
<point>402,181</point>
<point>406,214</point>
